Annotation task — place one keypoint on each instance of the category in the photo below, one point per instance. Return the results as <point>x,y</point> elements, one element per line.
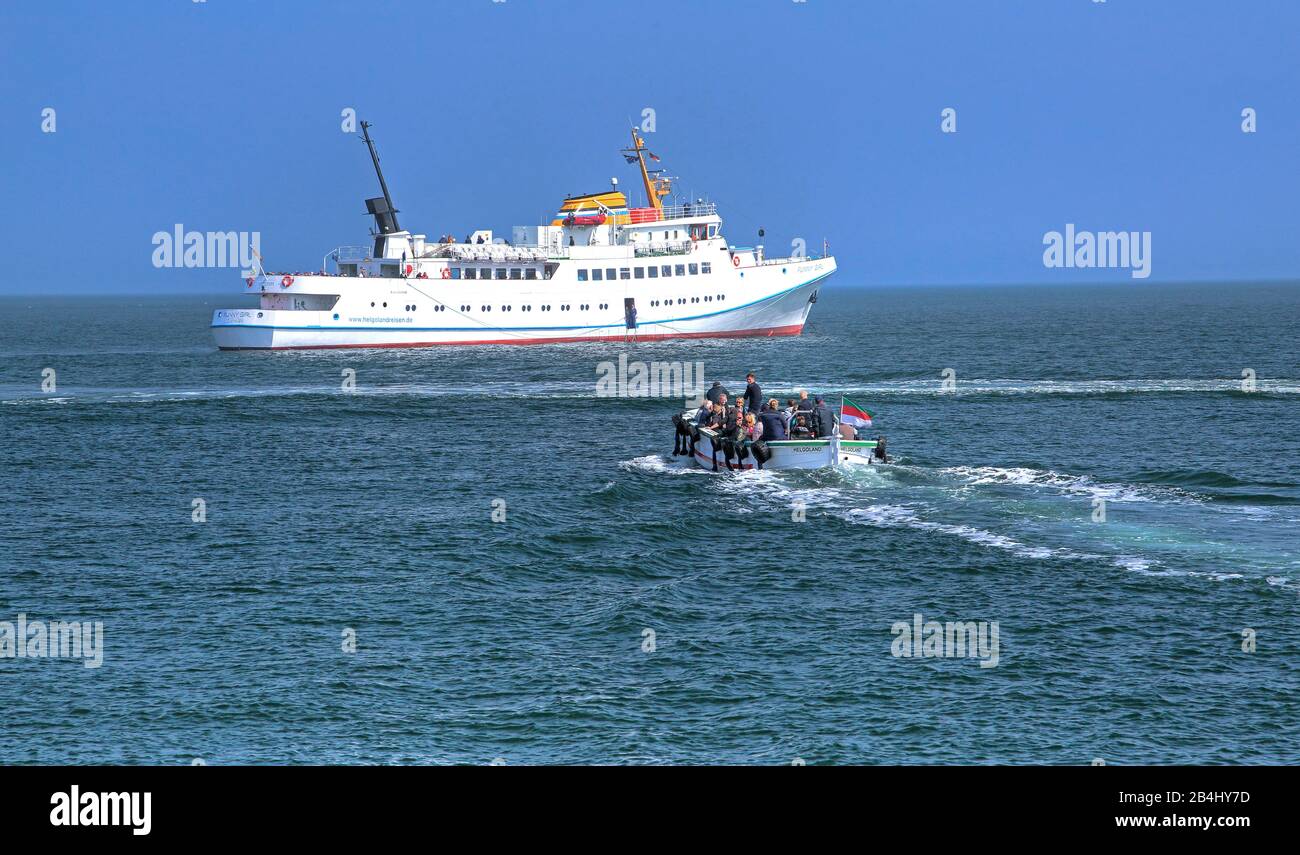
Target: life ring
<point>286,281</point>
<point>446,273</point>
<point>409,268</point>
<point>249,280</point>
<point>735,261</point>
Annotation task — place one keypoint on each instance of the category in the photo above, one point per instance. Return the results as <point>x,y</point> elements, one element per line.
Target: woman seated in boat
<point>753,429</point>
<point>799,427</point>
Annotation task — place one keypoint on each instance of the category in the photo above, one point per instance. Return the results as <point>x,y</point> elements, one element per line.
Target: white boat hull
<point>752,299</point>
<point>795,454</point>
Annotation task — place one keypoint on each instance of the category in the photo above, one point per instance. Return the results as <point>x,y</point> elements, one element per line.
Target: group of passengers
<point>751,419</point>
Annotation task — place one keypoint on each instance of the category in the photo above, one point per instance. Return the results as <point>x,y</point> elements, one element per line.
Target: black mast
<point>381,207</point>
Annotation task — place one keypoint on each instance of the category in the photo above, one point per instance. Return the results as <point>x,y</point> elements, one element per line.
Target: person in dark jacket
<point>733,435</point>
<point>753,395</point>
<point>803,405</point>
<point>823,419</point>
<point>773,424</point>
<point>716,392</point>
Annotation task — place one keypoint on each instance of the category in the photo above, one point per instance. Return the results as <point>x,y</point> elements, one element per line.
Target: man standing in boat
<point>753,395</point>
<point>716,392</point>
<point>823,420</point>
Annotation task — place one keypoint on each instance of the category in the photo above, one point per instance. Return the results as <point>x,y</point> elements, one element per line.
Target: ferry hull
<point>765,303</point>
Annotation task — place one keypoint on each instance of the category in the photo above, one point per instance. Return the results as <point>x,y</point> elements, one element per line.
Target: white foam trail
<point>902,516</point>
<point>1081,485</point>
<point>657,464</point>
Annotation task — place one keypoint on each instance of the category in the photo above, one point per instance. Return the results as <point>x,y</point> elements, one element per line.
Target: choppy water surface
<point>1098,483</point>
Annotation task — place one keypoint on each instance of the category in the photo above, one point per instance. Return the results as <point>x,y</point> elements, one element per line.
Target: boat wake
<point>1079,485</point>
<point>1033,514</point>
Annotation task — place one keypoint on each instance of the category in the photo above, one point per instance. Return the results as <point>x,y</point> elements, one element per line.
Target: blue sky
<point>813,120</point>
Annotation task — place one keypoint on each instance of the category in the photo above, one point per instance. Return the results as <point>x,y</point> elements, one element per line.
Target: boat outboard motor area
<point>682,438</point>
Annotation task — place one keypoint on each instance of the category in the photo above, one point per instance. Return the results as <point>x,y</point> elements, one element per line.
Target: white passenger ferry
<point>600,270</point>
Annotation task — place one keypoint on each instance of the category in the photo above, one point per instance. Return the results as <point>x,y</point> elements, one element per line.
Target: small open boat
<point>711,450</point>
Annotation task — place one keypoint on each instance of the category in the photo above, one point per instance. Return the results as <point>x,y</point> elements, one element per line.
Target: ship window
<point>665,235</point>
<point>470,273</point>
<point>667,270</point>
<point>681,270</point>
<point>500,273</point>
<point>597,274</point>
<point>654,272</point>
<point>706,267</point>
<point>713,231</point>
<point>582,274</point>
<point>516,273</point>
<point>611,274</point>
<point>640,273</point>
<point>695,269</point>
<point>624,273</point>
<point>530,273</point>
<point>455,273</point>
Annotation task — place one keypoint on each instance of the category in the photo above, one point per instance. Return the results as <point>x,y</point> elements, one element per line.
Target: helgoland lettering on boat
<point>602,269</point>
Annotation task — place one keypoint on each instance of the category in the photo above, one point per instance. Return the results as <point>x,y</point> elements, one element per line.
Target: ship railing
<point>349,254</point>
<point>636,216</point>
<point>645,250</point>
<point>793,259</point>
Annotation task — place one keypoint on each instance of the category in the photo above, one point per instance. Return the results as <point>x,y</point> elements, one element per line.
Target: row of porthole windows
<point>681,301</point>
<point>597,274</point>
<point>584,307</point>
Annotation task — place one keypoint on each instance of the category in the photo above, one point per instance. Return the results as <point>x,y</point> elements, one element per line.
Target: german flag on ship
<point>586,210</point>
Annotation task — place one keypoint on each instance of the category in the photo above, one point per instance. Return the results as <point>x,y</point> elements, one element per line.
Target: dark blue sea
<point>630,609</point>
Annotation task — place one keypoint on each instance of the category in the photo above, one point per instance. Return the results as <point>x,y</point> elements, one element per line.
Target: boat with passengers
<point>713,444</point>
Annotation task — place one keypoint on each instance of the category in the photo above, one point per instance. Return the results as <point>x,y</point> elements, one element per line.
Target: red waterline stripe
<point>790,329</point>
